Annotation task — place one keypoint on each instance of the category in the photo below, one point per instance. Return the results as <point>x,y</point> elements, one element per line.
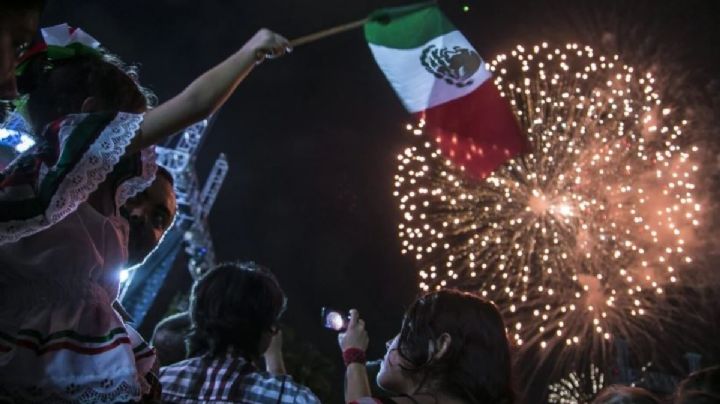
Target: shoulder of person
<point>300,393</point>
<point>304,395</point>
<point>185,365</point>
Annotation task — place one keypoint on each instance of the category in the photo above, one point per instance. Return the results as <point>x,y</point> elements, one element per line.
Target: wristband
<point>354,355</point>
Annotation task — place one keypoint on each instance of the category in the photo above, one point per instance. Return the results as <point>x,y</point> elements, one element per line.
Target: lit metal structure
<point>190,231</point>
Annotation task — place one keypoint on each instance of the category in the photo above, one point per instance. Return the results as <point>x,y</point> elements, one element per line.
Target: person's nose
<point>137,219</point>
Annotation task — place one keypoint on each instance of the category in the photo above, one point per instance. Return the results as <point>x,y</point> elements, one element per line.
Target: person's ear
<point>442,345</point>
<point>90,104</point>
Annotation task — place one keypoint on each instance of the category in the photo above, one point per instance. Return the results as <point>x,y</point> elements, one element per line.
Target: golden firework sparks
<point>577,239</point>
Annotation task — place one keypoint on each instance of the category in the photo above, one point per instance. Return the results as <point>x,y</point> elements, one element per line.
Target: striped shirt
<point>228,379</point>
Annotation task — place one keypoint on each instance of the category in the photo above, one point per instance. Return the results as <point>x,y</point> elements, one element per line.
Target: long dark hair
<point>476,366</point>
<point>58,88</point>
<point>232,306</point>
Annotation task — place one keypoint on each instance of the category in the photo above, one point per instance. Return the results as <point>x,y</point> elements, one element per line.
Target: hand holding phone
<point>355,335</point>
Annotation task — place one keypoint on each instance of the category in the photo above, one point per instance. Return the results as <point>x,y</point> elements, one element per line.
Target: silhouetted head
<point>452,343</point>
<point>235,306</point>
<point>618,394</point>
<point>83,83</point>
<point>701,387</point>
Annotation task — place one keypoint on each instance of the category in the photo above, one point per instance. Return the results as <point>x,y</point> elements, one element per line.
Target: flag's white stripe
<point>418,88</point>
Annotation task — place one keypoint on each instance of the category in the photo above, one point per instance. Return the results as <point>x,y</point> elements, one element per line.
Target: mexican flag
<point>440,78</point>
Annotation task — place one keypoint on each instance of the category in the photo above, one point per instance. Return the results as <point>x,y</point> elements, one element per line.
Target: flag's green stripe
<point>140,347</point>
<point>406,27</point>
<point>77,144</point>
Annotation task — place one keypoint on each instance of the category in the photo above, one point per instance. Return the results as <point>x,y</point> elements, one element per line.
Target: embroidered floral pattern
<point>103,392</point>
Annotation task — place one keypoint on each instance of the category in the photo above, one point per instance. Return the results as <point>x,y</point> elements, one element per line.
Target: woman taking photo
<point>451,348</point>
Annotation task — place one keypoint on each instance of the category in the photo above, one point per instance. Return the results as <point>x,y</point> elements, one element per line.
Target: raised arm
<point>355,338</point>
<point>208,92</point>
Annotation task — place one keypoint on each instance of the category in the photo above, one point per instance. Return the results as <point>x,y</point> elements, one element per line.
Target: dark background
<point>312,138</point>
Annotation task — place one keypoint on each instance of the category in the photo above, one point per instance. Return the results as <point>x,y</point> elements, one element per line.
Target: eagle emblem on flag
<point>455,65</point>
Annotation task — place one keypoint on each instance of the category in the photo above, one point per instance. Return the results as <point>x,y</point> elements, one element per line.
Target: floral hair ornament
<point>61,42</point>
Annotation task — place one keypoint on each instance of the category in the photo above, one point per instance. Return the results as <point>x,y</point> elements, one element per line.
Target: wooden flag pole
<point>349,26</point>
<point>327,32</point>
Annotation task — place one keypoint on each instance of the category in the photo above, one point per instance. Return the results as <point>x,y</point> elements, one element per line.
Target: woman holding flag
<point>63,237</point>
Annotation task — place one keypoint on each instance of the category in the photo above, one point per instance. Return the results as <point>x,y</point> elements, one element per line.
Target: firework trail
<point>578,240</point>
<point>577,388</point>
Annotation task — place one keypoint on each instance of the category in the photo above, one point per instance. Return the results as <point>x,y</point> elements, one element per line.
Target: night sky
<point>312,138</point>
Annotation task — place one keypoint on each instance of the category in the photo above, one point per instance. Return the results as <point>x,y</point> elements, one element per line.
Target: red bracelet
<point>354,355</point>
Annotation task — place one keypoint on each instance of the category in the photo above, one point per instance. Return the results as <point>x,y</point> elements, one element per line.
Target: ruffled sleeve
<point>73,157</point>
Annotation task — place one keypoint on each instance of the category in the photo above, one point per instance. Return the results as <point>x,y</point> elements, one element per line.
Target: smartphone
<point>336,320</point>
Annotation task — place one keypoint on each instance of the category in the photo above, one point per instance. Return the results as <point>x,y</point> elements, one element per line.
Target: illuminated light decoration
<point>15,133</point>
<point>124,275</point>
<point>16,139</point>
<point>577,239</point>
<point>577,389</point>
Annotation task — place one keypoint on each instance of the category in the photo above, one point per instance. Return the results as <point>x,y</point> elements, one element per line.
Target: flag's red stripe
<point>478,131</point>
<point>145,355</point>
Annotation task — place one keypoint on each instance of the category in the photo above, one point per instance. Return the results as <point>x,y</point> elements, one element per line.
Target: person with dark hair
<point>149,214</point>
<point>63,236</point>
<point>18,23</point>
<point>169,338</point>
<point>234,310</point>
<point>701,387</point>
<point>451,348</point>
<point>618,394</point>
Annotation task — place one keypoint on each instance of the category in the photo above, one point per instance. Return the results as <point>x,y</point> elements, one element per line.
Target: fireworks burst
<point>577,389</point>
<point>576,240</point>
